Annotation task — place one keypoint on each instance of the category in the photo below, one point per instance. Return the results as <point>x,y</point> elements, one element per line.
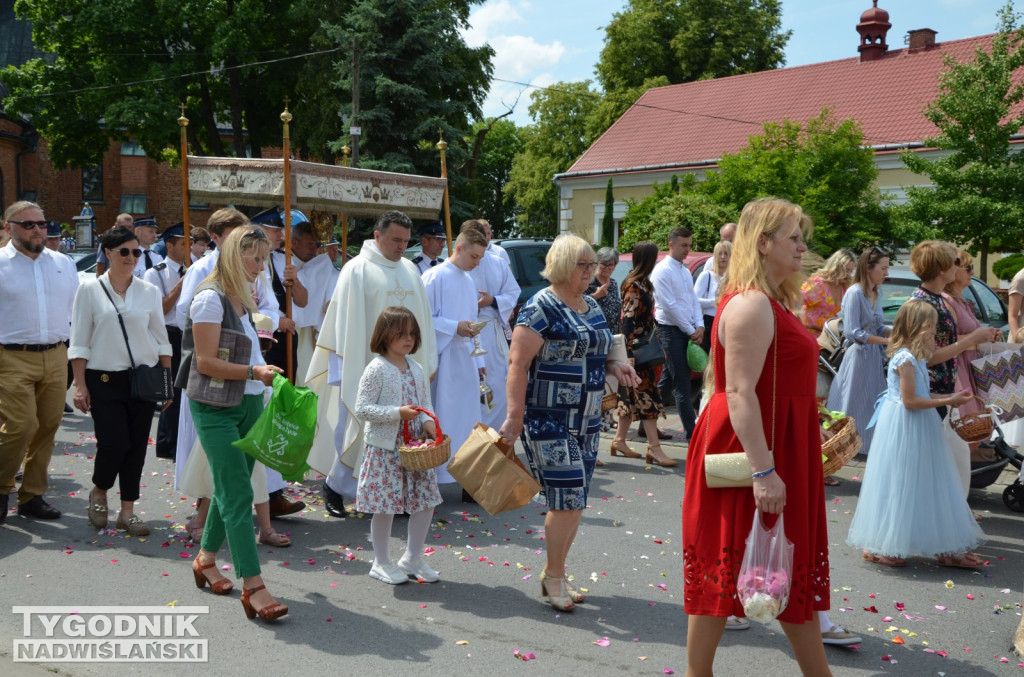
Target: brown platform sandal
<point>221,587</point>
<point>268,613</point>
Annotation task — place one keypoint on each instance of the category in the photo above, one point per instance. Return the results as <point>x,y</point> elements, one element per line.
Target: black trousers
<point>167,429</point>
<point>122,431</point>
<point>277,355</point>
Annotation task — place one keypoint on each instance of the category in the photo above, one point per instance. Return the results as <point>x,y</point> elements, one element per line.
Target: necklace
<point>120,292</point>
<point>577,305</point>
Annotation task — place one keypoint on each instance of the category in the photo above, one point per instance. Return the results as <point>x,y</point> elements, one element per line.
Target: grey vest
<point>188,346</point>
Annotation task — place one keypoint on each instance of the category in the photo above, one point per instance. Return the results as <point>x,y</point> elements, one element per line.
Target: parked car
<point>901,283</point>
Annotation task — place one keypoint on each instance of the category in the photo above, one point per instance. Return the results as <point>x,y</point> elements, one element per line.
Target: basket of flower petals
<point>840,441</point>
<point>423,454</point>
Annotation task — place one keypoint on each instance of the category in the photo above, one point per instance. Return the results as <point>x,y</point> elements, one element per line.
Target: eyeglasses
<point>588,265</point>
<point>125,252</point>
<point>29,225</point>
<point>607,264</point>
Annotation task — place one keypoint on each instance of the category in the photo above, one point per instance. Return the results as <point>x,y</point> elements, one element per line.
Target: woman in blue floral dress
<point>555,385</point>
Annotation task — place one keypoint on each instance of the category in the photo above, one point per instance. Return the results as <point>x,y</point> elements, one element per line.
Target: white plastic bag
<point>766,574</point>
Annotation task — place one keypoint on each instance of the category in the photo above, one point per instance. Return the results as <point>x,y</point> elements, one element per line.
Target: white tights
<point>380,535</point>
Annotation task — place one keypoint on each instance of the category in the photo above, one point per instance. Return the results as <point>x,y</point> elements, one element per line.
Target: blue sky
<point>545,41</point>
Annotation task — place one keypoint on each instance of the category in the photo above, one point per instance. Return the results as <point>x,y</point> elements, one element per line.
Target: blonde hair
<point>965,260</point>
<point>834,268</point>
<point>763,216</point>
<point>908,329</point>
<point>722,246</point>
<point>565,252</point>
<point>229,273</point>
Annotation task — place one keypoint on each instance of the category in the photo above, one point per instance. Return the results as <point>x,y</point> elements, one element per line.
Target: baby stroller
<point>830,355</point>
<point>984,473</point>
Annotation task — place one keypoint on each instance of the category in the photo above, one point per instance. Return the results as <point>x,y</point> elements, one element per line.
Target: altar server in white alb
<point>379,277</point>
<point>452,295</point>
<point>318,275</point>
<point>493,248</point>
<point>497,294</point>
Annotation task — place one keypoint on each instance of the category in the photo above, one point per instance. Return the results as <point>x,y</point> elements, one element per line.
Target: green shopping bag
<point>283,434</point>
<point>696,357</point>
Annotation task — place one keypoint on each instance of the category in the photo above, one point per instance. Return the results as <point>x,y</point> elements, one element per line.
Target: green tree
<point>686,40</point>
<point>688,209</point>
<point>416,75</point>
<point>608,220</point>
<point>493,165</point>
<point>977,187</point>
<point>822,166</point>
<point>117,78</point>
<point>551,144</point>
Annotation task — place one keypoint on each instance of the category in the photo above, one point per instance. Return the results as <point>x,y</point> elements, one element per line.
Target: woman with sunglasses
<point>222,301</point>
<point>936,263</point>
<point>100,359</point>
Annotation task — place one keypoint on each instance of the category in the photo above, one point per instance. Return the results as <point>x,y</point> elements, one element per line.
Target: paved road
<point>485,608</point>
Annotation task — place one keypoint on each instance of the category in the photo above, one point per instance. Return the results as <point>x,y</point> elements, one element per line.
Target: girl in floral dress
<point>391,386</point>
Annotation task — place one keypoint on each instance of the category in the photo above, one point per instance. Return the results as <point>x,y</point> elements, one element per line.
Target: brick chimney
<point>873,27</point>
<point>921,39</point>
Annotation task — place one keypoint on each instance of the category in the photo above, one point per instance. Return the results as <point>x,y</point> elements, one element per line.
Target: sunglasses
<point>125,252</point>
<point>257,233</point>
<point>956,261</point>
<point>969,267</point>
<point>29,225</point>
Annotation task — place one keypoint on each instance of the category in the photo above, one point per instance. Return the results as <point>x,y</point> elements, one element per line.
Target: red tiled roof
<point>700,121</point>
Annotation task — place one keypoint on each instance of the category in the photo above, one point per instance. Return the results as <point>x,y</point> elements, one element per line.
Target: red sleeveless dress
<point>716,522</point>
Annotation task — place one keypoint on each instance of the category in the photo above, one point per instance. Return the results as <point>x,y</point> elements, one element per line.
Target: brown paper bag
<point>487,467</point>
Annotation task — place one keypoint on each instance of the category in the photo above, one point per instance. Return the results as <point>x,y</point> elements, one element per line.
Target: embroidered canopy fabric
<point>259,182</point>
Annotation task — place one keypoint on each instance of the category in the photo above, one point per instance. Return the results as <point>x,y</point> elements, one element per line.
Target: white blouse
<point>96,334</point>
<point>207,307</point>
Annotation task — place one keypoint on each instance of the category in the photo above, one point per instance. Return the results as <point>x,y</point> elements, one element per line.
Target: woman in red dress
<point>765,365</point>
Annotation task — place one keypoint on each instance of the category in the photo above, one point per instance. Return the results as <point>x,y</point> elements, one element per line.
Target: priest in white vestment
<point>498,293</point>
<point>456,390</point>
<point>379,277</point>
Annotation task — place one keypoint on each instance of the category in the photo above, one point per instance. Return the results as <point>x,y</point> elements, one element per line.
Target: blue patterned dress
<point>562,424</point>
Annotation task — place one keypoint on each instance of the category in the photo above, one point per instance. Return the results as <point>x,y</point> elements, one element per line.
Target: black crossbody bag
<point>149,384</point>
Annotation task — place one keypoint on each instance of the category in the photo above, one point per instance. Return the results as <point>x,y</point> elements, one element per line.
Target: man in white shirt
<point>491,247</point>
<point>432,244</point>
<point>318,275</point>
<point>146,233</point>
<point>679,321</point>
<point>39,292</point>
<point>453,305</point>
<point>168,276</point>
<point>379,277</point>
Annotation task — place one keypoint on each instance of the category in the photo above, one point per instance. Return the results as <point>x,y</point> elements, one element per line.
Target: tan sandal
<point>965,560</point>
<point>652,460</point>
<point>620,448</point>
<point>884,560</point>
<point>577,597</point>
<point>560,602</point>
<point>272,538</point>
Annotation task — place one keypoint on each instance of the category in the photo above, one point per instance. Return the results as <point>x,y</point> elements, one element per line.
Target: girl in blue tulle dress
<point>911,502</point>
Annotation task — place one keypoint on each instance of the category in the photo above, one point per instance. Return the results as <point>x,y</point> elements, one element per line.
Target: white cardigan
<point>380,398</point>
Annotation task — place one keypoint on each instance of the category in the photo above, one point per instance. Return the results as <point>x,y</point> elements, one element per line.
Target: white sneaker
<point>388,573</point>
<point>737,623</point>
<point>418,568</point>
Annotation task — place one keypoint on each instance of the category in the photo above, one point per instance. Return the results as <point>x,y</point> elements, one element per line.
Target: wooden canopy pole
<point>441,146</point>
<point>286,118</point>
<point>183,123</point>
<point>345,150</point>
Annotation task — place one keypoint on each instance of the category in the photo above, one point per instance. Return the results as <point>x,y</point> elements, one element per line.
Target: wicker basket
<point>972,427</point>
<point>842,446</point>
<point>609,401</point>
<point>427,456</point>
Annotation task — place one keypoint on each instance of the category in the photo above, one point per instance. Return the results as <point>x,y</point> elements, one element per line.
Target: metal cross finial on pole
<point>183,124</point>
<point>442,145</point>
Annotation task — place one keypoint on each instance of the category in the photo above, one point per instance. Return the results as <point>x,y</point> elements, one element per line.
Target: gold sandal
<point>577,597</point>
<point>560,602</point>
